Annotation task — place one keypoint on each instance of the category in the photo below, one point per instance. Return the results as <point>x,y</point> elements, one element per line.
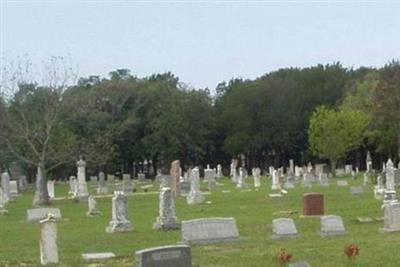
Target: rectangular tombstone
<point>98,256</point>
<point>332,225</point>
<point>36,215</point>
<point>356,190</point>
<point>348,168</point>
<point>313,204</point>
<point>209,230</point>
<point>391,217</point>
<point>166,256</point>
<point>340,172</point>
<point>185,188</point>
<point>342,183</point>
<point>110,178</point>
<point>13,188</point>
<point>283,228</point>
<point>93,179</point>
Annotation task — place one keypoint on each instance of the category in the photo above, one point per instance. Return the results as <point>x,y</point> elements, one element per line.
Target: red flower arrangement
<point>284,257</point>
<point>352,251</point>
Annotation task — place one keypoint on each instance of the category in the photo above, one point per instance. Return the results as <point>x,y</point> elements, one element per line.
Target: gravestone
<point>92,207</point>
<point>289,183</point>
<point>93,179</point>
<point>323,179</point>
<point>102,185</point>
<point>233,173</point>
<point>283,228</point>
<point>22,182</point>
<point>313,204</point>
<point>48,241</point>
<point>5,184</point>
<point>36,215</point>
<point>119,221</point>
<point>390,181</point>
<point>185,187</point>
<point>141,177</point>
<point>167,218</point>
<point>3,202</point>
<point>256,172</point>
<point>110,178</point>
<point>342,183</point>
<point>72,184</point>
<point>127,185</point>
<point>219,171</point>
<point>195,196</point>
<point>13,189</point>
<point>166,256</point>
<point>175,177</point>
<point>340,172</point>
<point>209,230</point>
<point>320,168</point>
<point>332,225</point>
<point>81,193</point>
<point>209,176</point>
<point>356,190</point>
<point>275,180</point>
<point>50,188</point>
<point>391,217</point>
<point>241,184</point>
<point>348,169</point>
<point>98,256</point>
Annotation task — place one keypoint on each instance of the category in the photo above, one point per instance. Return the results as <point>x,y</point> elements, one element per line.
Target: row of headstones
<point>9,189</point>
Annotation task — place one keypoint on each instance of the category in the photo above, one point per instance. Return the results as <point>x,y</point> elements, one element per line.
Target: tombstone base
<point>284,236</point>
<point>388,230</point>
<point>336,233</point>
<point>158,225</point>
<point>93,214</point>
<point>119,227</point>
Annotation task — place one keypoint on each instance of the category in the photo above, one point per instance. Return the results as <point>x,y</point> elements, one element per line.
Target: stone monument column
<point>48,241</point>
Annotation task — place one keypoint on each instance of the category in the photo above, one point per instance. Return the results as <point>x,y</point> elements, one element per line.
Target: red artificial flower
<point>352,251</point>
<point>284,256</point>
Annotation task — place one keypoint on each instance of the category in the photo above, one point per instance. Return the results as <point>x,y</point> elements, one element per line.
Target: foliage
<point>334,133</point>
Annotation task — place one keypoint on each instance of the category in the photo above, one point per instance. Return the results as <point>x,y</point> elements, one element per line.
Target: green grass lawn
<point>253,211</point>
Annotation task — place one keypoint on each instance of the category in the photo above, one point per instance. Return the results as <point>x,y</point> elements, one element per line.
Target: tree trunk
<point>41,197</point>
<point>333,167</point>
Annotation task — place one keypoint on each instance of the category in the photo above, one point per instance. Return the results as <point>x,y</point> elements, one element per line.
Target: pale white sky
<point>203,43</point>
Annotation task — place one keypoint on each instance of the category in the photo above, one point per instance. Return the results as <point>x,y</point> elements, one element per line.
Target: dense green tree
<point>333,133</point>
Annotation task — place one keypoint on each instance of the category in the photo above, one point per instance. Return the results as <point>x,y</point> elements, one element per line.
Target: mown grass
<point>253,211</point>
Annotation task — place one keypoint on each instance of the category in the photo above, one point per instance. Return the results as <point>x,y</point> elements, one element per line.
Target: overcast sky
<point>203,43</point>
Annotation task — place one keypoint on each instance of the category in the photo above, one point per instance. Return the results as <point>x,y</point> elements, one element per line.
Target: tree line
<point>325,113</point>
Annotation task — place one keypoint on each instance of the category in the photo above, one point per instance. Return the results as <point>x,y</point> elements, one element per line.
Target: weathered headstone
<point>256,172</point>
<point>102,185</point>
<point>93,179</point>
<point>13,189</point>
<point>332,225</point>
<point>5,184</point>
<point>48,241</point>
<point>275,181</point>
<point>391,217</point>
<point>356,190</point>
<point>81,193</point>
<point>166,256</point>
<point>119,221</point>
<point>167,217</point>
<point>92,207</point>
<point>348,169</point>
<point>313,204</point>
<point>241,180</point>
<point>98,256</point>
<point>72,184</point>
<point>323,179</point>
<point>195,196</point>
<point>50,188</point>
<point>283,228</point>
<point>110,178</point>
<point>369,162</point>
<point>3,202</point>
<point>36,215</point>
<point>390,184</point>
<point>127,185</point>
<point>219,171</point>
<point>209,230</point>
<point>175,175</point>
<point>342,183</point>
